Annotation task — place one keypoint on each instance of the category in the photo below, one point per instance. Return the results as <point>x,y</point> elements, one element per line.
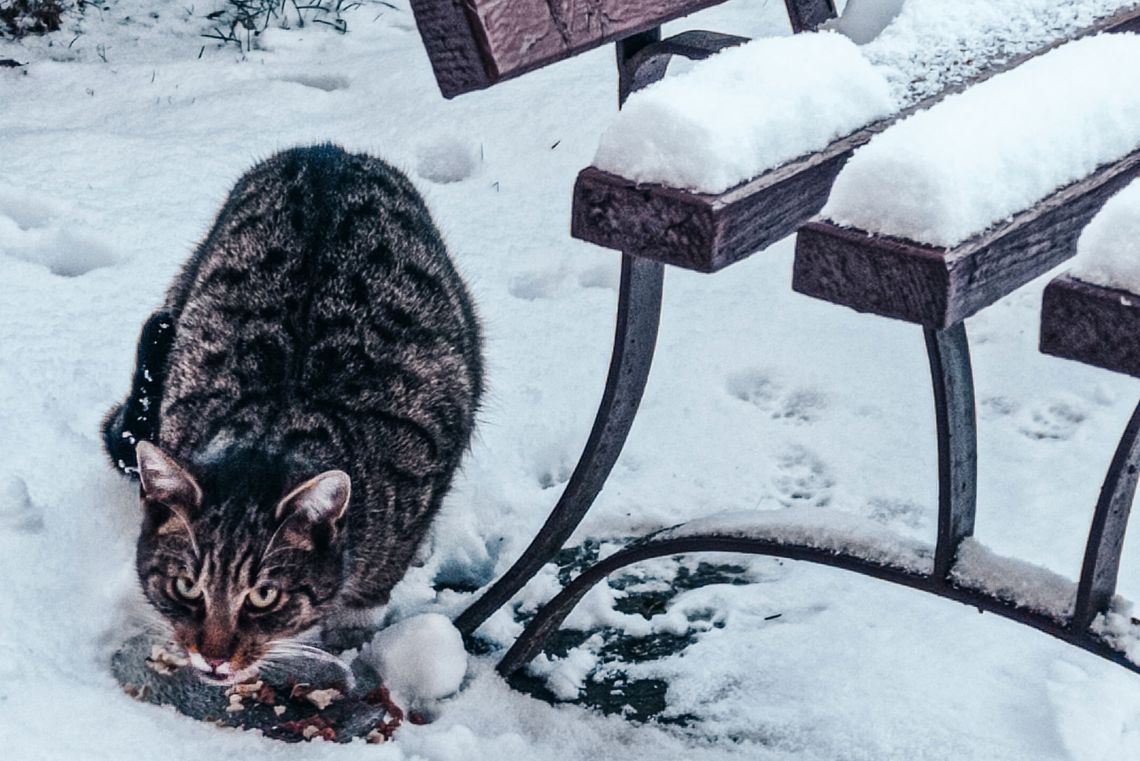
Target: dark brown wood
<point>938,287</point>
<point>1092,324</point>
<point>706,232</point>
<point>457,53</point>
<point>805,15</point>
<point>473,44</point>
<point>698,231</point>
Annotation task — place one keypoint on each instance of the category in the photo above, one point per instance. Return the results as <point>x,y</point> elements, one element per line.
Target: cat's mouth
<point>220,673</point>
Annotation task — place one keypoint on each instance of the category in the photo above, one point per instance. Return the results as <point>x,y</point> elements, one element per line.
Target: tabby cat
<point>300,406</point>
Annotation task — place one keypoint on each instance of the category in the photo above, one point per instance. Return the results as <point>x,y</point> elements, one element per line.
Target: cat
<point>300,406</point>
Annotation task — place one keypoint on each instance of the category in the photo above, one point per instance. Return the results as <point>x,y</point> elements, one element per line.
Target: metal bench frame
<point>617,213</point>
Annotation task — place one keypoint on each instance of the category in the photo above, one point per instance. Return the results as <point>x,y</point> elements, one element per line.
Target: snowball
<point>447,158</point>
<point>947,174</point>
<point>419,658</point>
<point>744,111</point>
<point>1108,252</point>
<point>863,20</point>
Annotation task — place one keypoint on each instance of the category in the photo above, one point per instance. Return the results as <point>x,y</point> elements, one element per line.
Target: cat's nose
<point>213,663</point>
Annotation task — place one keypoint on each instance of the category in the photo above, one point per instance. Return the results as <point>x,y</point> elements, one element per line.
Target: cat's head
<point>238,562</point>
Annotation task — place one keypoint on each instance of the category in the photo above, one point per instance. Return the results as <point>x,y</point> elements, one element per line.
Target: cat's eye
<point>263,596</point>
<point>187,588</point>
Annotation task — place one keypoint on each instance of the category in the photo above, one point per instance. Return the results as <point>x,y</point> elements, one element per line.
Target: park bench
<point>476,43</point>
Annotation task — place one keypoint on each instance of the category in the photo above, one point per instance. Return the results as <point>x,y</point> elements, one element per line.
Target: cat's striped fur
<point>319,327</point>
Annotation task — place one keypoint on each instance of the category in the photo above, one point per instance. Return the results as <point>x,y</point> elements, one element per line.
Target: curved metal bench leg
<point>639,311</point>
<point>1106,537</point>
<point>953,378</point>
<point>551,615</point>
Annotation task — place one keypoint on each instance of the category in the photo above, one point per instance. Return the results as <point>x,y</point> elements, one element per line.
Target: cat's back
<point>322,302</point>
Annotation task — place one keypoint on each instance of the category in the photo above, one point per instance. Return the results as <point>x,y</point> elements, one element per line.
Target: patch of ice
<point>744,111</point>
<point>1108,252</point>
<point>1025,585</point>
<point>947,174</point>
<point>419,658</point>
<point>818,528</point>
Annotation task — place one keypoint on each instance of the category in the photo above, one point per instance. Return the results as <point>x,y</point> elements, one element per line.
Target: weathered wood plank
<point>473,44</point>
<point>708,232</point>
<point>694,230</point>
<point>938,287</point>
<point>1091,324</point>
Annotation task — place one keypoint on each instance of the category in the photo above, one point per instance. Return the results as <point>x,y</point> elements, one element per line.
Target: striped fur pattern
<point>319,328</point>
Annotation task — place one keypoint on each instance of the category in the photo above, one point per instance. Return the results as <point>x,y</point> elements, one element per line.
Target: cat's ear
<point>164,482</point>
<point>311,513</point>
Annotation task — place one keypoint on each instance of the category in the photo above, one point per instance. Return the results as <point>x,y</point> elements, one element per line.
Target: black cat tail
<point>136,418</point>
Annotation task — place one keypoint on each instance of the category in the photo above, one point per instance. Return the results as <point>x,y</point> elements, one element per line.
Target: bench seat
<point>473,44</point>
<point>937,287</point>
<point>707,232</point>
<point>1093,324</point>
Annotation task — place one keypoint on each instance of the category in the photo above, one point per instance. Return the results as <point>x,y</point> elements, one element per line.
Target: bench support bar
<point>1106,537</point>
<point>950,371</point>
<point>551,615</point>
<point>639,311</point>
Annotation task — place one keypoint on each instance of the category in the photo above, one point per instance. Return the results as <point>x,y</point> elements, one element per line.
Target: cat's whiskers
<point>279,653</point>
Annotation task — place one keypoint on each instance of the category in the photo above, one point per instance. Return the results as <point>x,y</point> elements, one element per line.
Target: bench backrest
<point>473,44</point>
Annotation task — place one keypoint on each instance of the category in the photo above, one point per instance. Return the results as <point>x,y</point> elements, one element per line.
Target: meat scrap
<point>164,661</point>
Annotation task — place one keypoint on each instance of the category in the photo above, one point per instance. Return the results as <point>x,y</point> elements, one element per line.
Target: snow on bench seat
<point>743,111</point>
<point>947,174</point>
<point>1092,313</point>
<point>933,45</point>
<point>1108,252</point>
<point>709,231</point>
<point>956,207</point>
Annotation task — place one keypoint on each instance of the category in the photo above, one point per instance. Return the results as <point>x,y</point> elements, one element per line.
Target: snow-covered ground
<point>760,398</point>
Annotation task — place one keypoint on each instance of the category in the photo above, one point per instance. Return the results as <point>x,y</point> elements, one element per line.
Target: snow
<point>726,120</point>
<point>447,158</point>
<point>1026,585</point>
<point>420,658</point>
<point>1108,251</point>
<point>1120,628</point>
<point>745,110</point>
<point>759,399</point>
<point>819,528</point>
<point>933,45</point>
<point>965,164</point>
<point>863,20</point>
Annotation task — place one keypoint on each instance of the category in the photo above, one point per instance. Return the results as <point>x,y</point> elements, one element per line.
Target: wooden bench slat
<point>938,287</point>
<point>708,232</point>
<point>473,44</point>
<point>1092,324</point>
